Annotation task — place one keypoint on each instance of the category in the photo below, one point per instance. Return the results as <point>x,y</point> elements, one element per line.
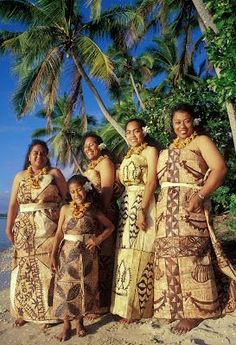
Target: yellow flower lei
<point>78,211</point>
<point>136,150</point>
<point>94,163</point>
<point>180,145</point>
<point>34,178</point>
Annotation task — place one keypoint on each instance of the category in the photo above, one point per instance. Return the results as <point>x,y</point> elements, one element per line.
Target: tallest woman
<point>132,295</point>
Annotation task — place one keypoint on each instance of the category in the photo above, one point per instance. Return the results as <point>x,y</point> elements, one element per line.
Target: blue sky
<point>15,135</point>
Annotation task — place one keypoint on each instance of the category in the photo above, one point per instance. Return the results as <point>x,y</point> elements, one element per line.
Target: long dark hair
<point>30,148</point>
<point>92,195</point>
<point>147,139</point>
<point>188,108</point>
<point>98,139</point>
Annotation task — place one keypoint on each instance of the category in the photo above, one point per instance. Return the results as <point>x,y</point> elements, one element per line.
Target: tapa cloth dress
<point>192,276</point>
<point>132,293</point>
<point>31,289</point>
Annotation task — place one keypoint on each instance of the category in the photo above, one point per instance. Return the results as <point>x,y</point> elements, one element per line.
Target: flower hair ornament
<point>145,130</point>
<point>87,186</point>
<point>102,146</point>
<point>196,121</point>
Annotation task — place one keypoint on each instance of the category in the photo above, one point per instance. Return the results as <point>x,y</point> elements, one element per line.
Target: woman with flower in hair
<point>193,280</point>
<point>74,257</point>
<point>101,172</point>
<point>33,213</point>
<point>132,293</point>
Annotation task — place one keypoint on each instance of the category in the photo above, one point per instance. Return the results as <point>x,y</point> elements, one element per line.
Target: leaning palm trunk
<point>136,91</point>
<point>97,96</point>
<point>206,22</point>
<point>73,156</point>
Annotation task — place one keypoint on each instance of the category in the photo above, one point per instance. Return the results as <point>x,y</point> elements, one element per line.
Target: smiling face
<point>38,157</point>
<point>91,148</point>
<point>77,192</point>
<point>182,124</point>
<point>134,134</point>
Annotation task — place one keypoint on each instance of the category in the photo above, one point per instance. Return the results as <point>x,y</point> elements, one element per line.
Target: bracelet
<point>202,197</point>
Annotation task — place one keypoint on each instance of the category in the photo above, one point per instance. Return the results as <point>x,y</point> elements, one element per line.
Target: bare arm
<point>216,164</point>
<point>13,207</point>
<point>107,172</point>
<point>57,239</point>
<point>108,229</point>
<point>151,155</point>
<point>60,182</point>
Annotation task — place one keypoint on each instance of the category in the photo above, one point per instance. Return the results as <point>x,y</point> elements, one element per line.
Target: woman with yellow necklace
<point>101,173</point>
<point>33,213</point>
<point>132,293</point>
<point>189,266</point>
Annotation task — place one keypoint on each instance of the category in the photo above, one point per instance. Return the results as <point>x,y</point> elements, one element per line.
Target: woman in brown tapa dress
<point>31,224</point>
<point>193,280</point>
<point>101,172</point>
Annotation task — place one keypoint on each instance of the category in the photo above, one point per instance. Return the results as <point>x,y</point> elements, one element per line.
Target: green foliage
<point>232,209</point>
<point>158,117</point>
<point>221,50</point>
<point>221,199</point>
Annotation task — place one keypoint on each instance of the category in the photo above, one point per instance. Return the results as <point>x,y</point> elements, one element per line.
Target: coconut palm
<point>65,138</point>
<point>53,35</point>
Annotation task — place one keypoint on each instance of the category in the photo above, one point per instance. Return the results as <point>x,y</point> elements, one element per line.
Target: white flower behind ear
<point>196,121</point>
<point>145,130</point>
<point>87,186</point>
<point>102,146</point>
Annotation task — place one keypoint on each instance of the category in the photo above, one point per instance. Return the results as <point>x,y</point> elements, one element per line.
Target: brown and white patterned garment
<point>34,229</point>
<point>192,276</point>
<point>106,252</point>
<point>76,285</point>
<point>132,293</point>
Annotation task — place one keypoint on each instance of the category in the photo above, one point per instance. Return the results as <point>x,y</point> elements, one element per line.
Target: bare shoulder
<point>150,151</point>
<point>204,142</point>
<point>65,209</point>
<point>20,175</point>
<point>105,163</point>
<point>55,172</point>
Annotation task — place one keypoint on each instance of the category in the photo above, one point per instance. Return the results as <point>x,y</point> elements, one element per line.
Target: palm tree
<point>55,32</point>
<point>206,22</point>
<point>132,72</point>
<point>65,138</point>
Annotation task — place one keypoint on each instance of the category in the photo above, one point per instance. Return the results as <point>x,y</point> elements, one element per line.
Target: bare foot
<point>65,334</point>
<point>185,325</point>
<point>80,329</point>
<point>19,323</point>
<point>92,317</point>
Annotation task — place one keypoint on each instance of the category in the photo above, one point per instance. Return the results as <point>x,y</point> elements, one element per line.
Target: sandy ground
<point>105,331</point>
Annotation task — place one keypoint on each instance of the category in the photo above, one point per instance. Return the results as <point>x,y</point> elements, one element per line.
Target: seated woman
<point>193,280</point>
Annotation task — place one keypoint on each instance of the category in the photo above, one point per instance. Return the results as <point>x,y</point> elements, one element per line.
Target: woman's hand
<point>53,265</point>
<point>195,204</point>
<point>141,221</point>
<point>10,235</point>
<point>92,243</point>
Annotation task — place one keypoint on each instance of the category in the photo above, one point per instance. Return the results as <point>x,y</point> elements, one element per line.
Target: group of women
<point>163,259</point>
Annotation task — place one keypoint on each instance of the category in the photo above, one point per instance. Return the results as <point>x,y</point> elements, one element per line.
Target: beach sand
<point>105,331</point>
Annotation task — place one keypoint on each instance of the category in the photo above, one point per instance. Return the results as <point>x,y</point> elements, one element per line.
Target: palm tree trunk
<point>136,91</point>
<point>73,156</point>
<point>97,96</point>
<point>205,22</point>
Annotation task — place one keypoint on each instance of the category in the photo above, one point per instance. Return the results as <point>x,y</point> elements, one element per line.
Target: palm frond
<point>100,66</point>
